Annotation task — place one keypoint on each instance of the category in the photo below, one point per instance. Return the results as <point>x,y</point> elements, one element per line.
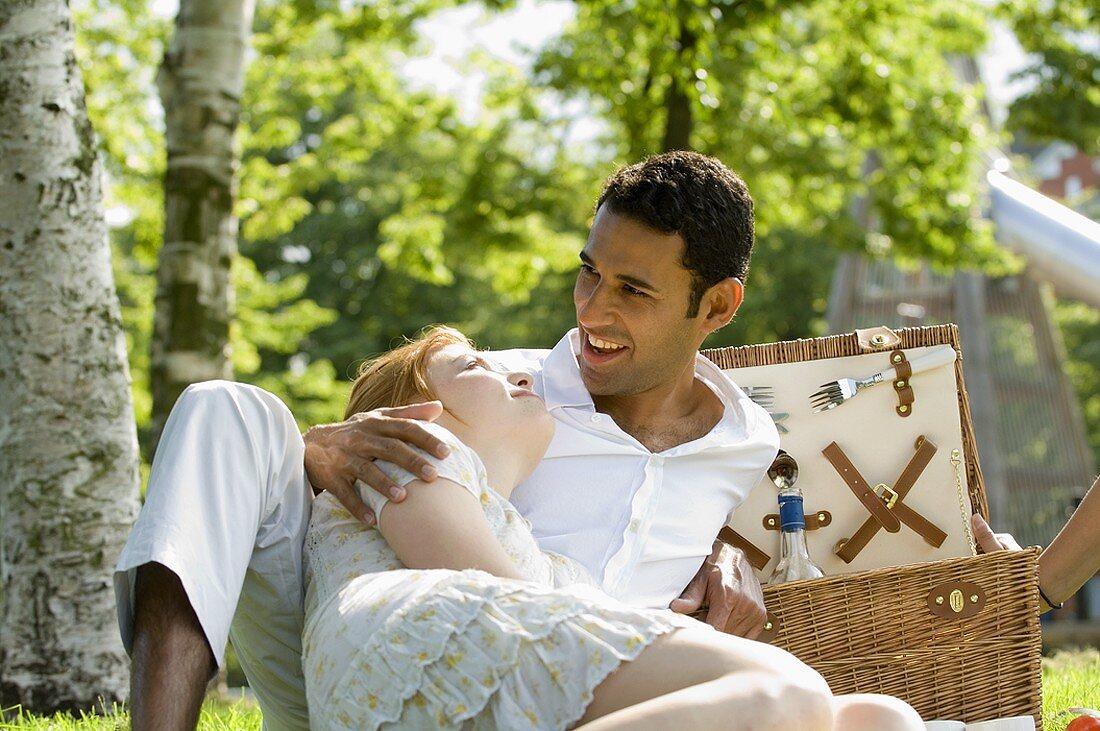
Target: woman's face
<point>489,403</point>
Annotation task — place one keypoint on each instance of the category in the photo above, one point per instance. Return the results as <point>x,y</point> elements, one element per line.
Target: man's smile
<point>596,350</point>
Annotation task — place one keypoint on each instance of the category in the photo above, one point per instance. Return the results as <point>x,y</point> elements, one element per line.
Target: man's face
<point>632,296</point>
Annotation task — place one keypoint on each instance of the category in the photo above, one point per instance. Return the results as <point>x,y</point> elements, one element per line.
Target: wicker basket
<point>872,632</point>
<point>876,631</point>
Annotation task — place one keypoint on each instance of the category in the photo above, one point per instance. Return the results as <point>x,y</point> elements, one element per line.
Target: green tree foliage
<point>1063,103</point>
<point>1064,70</point>
<point>370,208</point>
<point>1080,327</point>
<point>120,44</point>
<point>400,211</point>
<point>794,96</point>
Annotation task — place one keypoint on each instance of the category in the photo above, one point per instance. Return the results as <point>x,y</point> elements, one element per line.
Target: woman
<point>447,614</point>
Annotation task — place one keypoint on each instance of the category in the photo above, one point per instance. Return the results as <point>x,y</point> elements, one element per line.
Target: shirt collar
<point>561,377</point>
<point>562,384</point>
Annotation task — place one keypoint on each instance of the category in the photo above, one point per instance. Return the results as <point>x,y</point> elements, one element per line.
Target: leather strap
<point>902,367</point>
<point>756,557</point>
<point>860,488</point>
<point>901,383</point>
<point>814,520</point>
<point>927,530</point>
<point>923,527</point>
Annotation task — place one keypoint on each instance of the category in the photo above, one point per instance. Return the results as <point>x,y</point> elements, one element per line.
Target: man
<point>654,447</point>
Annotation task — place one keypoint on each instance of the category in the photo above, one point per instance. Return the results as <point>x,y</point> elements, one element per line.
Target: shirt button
<point>658,460</point>
<point>596,418</point>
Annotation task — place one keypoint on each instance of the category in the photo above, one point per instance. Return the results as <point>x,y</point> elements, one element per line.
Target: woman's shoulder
<point>444,434</point>
<point>461,455</point>
<point>461,465</point>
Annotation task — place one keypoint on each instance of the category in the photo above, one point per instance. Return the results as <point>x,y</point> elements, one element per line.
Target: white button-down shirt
<point>640,522</point>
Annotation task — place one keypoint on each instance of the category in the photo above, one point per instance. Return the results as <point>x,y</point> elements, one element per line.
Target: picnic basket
<point>957,638</point>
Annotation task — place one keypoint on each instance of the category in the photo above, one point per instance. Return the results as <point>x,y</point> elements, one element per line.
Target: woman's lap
<point>519,650</point>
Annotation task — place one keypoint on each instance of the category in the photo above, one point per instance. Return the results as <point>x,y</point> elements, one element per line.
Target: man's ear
<point>721,302</point>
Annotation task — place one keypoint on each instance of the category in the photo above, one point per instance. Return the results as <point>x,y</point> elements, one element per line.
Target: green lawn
<point>216,716</point>
<point>1069,679</point>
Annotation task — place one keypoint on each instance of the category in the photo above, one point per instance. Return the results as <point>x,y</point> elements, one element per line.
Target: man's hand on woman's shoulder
<point>727,586</point>
<point>336,455</point>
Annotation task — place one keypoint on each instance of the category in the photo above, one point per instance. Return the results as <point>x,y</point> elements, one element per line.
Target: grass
<point>1070,679</point>
<point>216,716</point>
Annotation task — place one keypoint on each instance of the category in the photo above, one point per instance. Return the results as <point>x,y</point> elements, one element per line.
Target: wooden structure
<point>1030,431</point>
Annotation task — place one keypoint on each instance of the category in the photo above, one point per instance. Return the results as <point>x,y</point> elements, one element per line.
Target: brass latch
<point>956,599</point>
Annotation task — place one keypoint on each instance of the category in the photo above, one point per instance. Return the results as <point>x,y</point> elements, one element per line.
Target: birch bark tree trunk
<point>200,83</point>
<point>68,446</point>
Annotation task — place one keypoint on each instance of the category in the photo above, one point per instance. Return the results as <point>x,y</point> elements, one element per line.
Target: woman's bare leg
<point>879,712</point>
<point>702,679</point>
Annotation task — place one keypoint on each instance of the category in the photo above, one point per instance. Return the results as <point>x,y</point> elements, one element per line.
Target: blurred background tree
<point>795,97</point>
<point>1062,104</point>
<point>1063,70</point>
<point>200,80</point>
<point>371,206</point>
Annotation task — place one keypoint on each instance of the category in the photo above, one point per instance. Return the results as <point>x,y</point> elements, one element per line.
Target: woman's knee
<point>738,654</point>
<point>785,702</point>
<point>868,712</point>
<point>788,692</point>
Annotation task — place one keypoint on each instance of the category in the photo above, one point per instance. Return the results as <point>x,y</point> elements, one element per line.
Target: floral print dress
<point>386,646</point>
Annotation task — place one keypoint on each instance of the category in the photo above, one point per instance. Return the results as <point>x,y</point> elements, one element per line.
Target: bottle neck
<point>792,517</point>
<point>794,544</point>
<point>792,523</point>
<point>794,562</point>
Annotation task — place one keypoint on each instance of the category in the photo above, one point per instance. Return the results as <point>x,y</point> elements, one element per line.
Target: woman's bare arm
<point>338,454</point>
<point>441,526</point>
<point>1073,557</point>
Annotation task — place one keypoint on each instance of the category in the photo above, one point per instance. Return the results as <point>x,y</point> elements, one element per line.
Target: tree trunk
<point>68,447</point>
<point>200,83</point>
<point>678,119</point>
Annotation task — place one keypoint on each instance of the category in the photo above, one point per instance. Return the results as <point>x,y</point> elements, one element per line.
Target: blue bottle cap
<point>791,516</point>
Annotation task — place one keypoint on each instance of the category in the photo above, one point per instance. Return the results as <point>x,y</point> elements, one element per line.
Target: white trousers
<point>226,510</point>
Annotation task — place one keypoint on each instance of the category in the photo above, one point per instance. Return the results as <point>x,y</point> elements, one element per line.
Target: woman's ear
<point>721,302</point>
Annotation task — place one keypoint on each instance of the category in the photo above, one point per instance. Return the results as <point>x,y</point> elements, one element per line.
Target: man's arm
<point>727,586</point>
<point>336,455</point>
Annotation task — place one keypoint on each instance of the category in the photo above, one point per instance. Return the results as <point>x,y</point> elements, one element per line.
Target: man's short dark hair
<point>700,199</point>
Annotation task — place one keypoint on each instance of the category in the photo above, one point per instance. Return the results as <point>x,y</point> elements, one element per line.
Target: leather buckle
<point>883,490</point>
<point>886,504</point>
